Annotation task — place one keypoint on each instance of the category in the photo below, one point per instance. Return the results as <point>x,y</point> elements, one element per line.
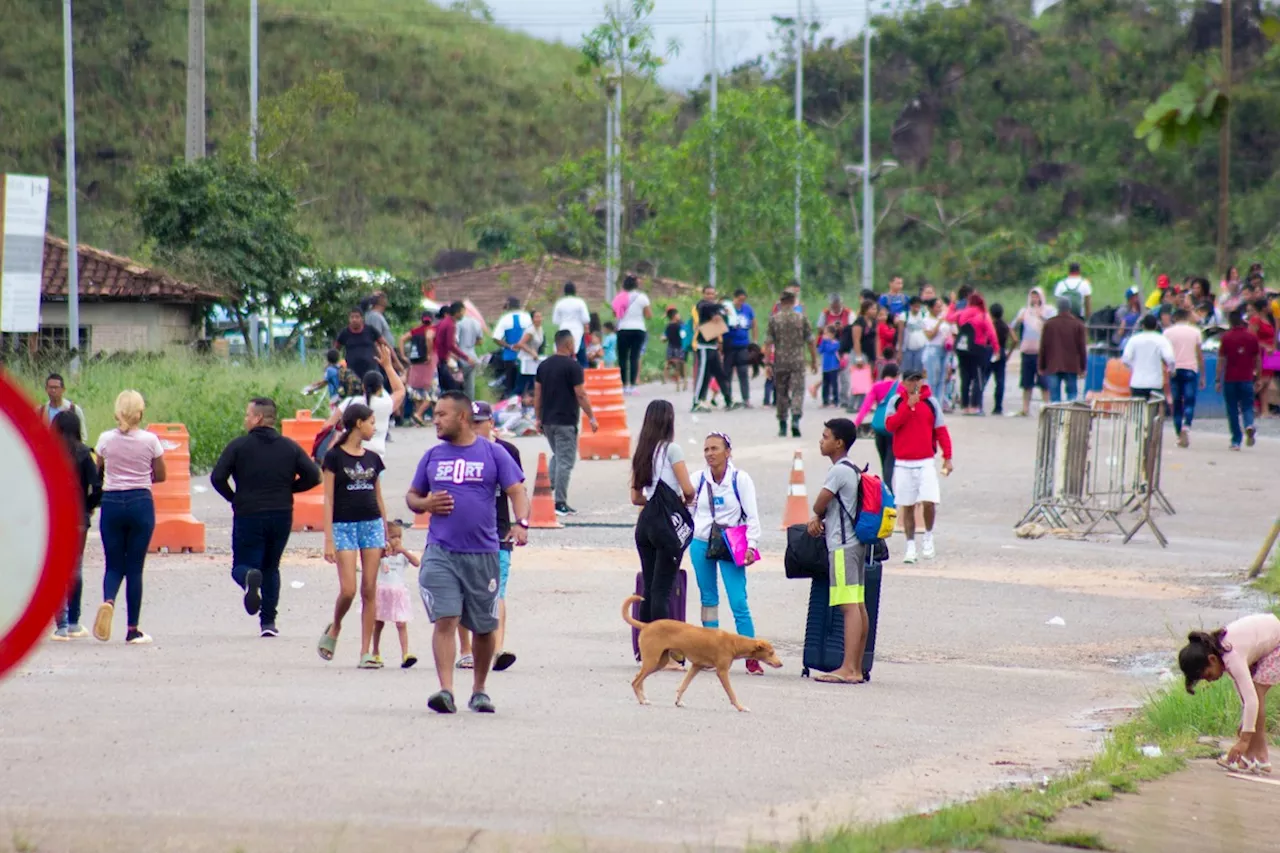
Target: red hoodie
<point>917,430</point>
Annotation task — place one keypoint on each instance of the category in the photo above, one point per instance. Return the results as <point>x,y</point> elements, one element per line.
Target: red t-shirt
<point>1239,348</point>
<point>888,335</point>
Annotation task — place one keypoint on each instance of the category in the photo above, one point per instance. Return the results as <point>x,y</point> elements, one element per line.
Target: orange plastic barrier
<point>1115,382</point>
<point>308,506</point>
<point>544,502</point>
<point>796,510</point>
<point>613,439</point>
<point>177,529</point>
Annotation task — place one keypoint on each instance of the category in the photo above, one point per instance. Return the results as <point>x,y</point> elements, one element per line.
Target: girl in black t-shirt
<point>354,525</point>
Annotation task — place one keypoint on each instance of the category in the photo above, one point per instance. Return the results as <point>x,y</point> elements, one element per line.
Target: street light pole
<point>868,204</point>
<point>73,246</point>
<point>253,80</point>
<point>799,125</point>
<point>195,80</point>
<point>608,206</point>
<point>715,85</point>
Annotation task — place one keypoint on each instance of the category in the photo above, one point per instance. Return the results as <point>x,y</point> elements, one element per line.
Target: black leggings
<point>658,568</point>
<point>710,367</point>
<point>973,366</point>
<point>884,446</point>
<point>630,344</point>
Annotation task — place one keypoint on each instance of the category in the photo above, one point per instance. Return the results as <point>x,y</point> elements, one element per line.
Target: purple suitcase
<point>675,604</point>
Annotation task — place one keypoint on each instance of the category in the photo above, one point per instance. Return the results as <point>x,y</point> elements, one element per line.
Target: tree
<point>227,224</point>
<point>756,147</point>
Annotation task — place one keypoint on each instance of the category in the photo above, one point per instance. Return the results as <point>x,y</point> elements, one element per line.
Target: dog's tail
<point>626,611</point>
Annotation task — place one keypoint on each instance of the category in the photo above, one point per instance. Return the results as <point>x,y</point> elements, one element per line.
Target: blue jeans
<point>913,359</point>
<point>1238,397</point>
<point>735,587</point>
<point>128,519</point>
<point>70,613</point>
<point>1056,381</point>
<point>258,542</point>
<point>934,361</point>
<point>1183,385</point>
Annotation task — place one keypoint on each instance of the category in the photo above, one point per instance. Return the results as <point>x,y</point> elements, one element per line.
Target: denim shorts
<point>359,535</point>
<point>504,571</point>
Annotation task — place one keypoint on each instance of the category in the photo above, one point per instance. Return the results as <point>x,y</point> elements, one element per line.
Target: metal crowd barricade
<point>1099,462</point>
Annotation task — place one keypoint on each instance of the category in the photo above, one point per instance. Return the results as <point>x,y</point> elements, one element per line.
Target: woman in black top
<point>864,339</point>
<point>67,425</point>
<point>354,524</point>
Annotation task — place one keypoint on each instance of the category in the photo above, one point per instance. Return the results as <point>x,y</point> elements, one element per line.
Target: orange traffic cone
<point>544,503</point>
<point>796,510</point>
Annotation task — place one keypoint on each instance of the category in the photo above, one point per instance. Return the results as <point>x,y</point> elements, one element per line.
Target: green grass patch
<point>1170,719</point>
<point>208,395</point>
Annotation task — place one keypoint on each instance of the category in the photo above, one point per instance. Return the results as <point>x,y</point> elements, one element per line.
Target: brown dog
<point>703,648</point>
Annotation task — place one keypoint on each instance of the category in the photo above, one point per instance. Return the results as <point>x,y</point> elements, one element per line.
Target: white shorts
<point>916,484</point>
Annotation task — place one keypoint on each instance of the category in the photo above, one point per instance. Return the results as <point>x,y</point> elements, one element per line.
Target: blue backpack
<point>882,411</point>
<point>512,337</point>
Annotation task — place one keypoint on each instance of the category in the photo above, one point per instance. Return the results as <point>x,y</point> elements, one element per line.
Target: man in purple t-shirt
<point>455,482</point>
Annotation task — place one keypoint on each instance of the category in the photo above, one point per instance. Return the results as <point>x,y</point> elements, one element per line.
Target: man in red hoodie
<point>916,424</point>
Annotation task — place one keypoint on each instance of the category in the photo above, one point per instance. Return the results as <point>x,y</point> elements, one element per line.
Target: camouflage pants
<point>789,388</point>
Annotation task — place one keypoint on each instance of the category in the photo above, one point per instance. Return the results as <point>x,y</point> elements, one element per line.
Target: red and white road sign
<point>40,514</point>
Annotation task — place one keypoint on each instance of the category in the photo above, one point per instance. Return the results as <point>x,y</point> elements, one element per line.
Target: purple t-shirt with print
<point>472,474</point>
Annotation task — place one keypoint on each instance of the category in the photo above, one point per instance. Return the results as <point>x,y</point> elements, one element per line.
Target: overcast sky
<point>745,27</point>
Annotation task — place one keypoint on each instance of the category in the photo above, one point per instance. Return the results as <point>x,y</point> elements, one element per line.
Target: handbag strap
<point>711,500</point>
<point>843,510</point>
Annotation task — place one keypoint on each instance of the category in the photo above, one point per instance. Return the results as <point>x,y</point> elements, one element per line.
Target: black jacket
<point>268,469</point>
<point>90,480</point>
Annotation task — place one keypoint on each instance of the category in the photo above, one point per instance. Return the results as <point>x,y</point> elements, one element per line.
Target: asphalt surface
<point>213,739</point>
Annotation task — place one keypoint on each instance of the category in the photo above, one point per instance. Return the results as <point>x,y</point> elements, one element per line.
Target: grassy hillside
<point>455,117</point>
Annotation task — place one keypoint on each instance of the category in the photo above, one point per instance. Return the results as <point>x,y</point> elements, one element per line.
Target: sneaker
<point>909,556</point>
<point>77,631</point>
<point>700,408</point>
<point>102,621</point>
<point>481,703</point>
<point>782,429</point>
<point>442,703</point>
<point>61,635</point>
<point>1183,439</point>
<point>137,638</point>
<point>253,592</point>
<point>568,510</point>
<point>795,430</point>
<point>926,548</point>
<point>1234,447</point>
<point>1248,436</point>
<point>269,630</point>
<point>562,509</point>
<point>754,667</point>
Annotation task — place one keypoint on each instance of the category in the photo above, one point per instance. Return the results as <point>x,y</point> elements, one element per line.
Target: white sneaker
<point>926,548</point>
<point>909,556</point>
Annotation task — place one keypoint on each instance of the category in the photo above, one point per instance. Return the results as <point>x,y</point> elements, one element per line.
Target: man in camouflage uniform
<point>790,337</point>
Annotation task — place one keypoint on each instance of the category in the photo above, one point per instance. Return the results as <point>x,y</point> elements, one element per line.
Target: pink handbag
<point>1271,361</point>
<point>860,380</point>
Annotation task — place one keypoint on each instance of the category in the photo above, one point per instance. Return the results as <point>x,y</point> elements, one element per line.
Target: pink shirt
<point>127,457</point>
<point>879,392</point>
<point>1185,339</point>
<point>1248,641</point>
<point>984,333</point>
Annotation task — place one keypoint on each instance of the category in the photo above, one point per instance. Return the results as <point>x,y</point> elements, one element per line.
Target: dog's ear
<point>762,649</point>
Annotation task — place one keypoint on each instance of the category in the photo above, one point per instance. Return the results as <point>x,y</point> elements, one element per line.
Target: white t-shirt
<point>529,363</point>
<point>633,318</point>
<point>1145,354</point>
<point>915,325</point>
<point>930,323</point>
<point>571,313</point>
<point>383,407</point>
<point>392,569</point>
<point>664,457</point>
<point>508,321</point>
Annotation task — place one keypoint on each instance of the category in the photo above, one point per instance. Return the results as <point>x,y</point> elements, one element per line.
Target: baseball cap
<point>1162,282</point>
<point>481,412</point>
<point>912,374</point>
<point>1133,291</point>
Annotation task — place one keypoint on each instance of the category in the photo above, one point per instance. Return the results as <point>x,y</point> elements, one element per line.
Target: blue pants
<point>935,361</point>
<point>735,587</point>
<point>128,519</point>
<point>257,542</point>
<point>1183,385</point>
<point>1056,381</point>
<point>1238,397</point>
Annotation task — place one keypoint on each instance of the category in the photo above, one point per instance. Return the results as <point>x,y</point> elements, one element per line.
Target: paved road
<point>214,739</point>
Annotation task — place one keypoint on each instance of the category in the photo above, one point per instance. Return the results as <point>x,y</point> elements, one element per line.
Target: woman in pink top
<point>1248,650</point>
<point>880,394</point>
<point>973,350</point>
<point>132,459</point>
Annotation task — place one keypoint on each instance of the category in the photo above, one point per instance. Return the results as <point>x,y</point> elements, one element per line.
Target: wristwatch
<point>523,522</point>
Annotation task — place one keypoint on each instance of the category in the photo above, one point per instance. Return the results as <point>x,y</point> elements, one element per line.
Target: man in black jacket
<point>268,470</point>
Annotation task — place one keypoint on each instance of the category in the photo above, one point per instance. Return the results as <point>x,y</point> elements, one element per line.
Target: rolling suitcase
<point>824,630</point>
<point>675,604</point>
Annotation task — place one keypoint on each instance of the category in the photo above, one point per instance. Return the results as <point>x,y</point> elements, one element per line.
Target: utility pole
<point>1224,141</point>
<point>799,126</point>
<point>715,85</point>
<point>618,203</point>
<point>195,80</point>
<point>609,236</point>
<point>253,80</point>
<point>73,246</point>
<point>868,203</point>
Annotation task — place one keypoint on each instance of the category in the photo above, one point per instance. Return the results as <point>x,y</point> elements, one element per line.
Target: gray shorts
<point>455,584</point>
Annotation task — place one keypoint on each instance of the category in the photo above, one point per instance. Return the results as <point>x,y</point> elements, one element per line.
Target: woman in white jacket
<point>727,497</point>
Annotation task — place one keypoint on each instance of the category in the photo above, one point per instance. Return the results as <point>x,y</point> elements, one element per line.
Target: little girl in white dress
<point>393,602</point>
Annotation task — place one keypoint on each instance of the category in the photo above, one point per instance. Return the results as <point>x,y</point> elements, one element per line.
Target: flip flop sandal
<point>442,703</point>
<point>466,662</point>
<point>1258,768</point>
<point>369,662</point>
<point>409,660</point>
<point>828,678</point>
<point>504,661</point>
<point>327,645</point>
<point>1240,766</point>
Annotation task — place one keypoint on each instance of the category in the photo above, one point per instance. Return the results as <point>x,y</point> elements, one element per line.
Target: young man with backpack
<point>508,332</point>
<point>915,421</point>
<point>1077,290</point>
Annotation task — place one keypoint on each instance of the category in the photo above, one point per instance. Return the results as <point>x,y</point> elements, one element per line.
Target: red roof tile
<point>536,284</point>
<point>107,276</point>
